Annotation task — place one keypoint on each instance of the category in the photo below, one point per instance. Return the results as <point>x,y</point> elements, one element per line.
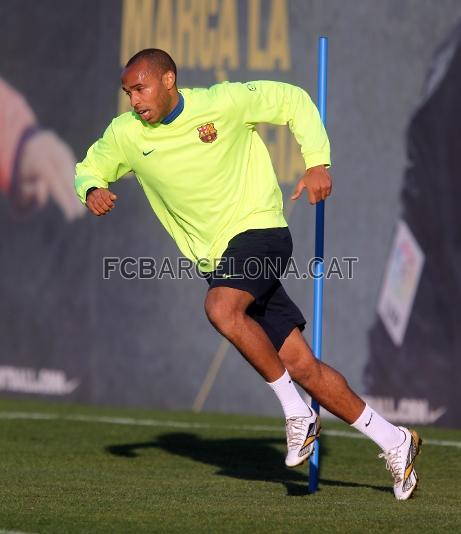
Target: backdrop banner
<point>82,316</point>
<point>417,375</point>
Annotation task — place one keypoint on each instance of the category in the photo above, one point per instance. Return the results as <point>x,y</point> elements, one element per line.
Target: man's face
<point>150,92</point>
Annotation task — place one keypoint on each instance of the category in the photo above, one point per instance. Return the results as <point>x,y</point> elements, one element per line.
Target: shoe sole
<point>302,462</point>
<point>419,446</point>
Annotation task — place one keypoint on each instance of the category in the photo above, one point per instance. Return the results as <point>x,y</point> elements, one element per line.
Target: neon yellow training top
<point>207,174</point>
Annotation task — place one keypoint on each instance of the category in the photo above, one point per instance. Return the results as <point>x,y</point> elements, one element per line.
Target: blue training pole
<point>314,462</point>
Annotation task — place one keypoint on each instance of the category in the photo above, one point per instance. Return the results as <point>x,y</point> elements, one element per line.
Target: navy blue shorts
<point>254,261</point>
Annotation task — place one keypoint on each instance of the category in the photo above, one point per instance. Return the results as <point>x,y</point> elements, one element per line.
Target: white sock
<point>290,399</point>
<point>383,433</point>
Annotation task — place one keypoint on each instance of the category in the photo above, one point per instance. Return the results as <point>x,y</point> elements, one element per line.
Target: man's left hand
<point>317,182</point>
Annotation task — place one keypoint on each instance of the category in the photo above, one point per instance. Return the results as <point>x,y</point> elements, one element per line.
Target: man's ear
<point>169,79</point>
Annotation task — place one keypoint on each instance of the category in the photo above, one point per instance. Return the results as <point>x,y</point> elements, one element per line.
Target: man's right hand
<point>100,201</point>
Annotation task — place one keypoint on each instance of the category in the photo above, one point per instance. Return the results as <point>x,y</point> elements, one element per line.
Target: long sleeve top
<point>207,174</point>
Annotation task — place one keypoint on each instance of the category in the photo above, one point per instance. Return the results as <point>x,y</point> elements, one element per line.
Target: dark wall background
<point>148,343</point>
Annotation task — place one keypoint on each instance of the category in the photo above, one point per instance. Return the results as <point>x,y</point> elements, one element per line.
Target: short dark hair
<point>156,57</point>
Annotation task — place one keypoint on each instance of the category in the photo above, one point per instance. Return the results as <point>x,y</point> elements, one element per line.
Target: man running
<point>209,178</point>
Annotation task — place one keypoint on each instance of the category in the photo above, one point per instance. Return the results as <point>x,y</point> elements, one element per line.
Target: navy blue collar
<point>175,112</point>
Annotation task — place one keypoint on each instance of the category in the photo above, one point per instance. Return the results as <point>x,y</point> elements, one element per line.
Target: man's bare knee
<point>217,311</point>
<point>225,310</point>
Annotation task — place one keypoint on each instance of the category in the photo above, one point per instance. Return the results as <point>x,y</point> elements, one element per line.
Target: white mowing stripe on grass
<point>185,425</point>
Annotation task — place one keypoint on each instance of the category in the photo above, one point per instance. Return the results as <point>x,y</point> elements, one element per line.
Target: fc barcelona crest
<point>207,132</point>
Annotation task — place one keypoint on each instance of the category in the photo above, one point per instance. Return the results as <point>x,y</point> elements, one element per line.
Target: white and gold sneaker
<point>301,435</point>
<point>400,462</point>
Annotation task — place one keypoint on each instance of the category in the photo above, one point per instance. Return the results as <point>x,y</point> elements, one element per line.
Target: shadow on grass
<point>247,459</point>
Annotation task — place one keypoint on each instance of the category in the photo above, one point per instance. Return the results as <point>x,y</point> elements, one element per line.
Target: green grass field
<point>67,469</point>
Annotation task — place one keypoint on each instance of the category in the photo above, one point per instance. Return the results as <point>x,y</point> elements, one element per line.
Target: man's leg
<point>400,446</point>
<point>321,381</point>
<point>226,309</point>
